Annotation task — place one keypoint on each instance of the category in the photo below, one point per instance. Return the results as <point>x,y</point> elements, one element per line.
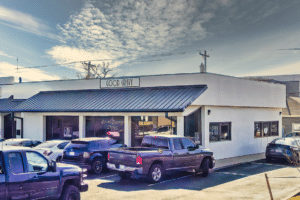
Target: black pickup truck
<point>158,155</point>
<point>27,174</point>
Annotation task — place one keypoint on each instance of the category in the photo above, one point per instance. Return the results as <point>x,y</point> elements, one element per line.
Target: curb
<point>292,195</point>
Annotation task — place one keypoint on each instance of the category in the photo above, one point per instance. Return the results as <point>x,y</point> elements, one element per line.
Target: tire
<point>268,159</point>
<point>58,159</point>
<point>70,192</point>
<point>205,167</point>
<point>97,165</point>
<point>156,173</point>
<point>124,175</point>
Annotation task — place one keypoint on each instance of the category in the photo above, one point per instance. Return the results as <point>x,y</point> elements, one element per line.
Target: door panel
<point>41,184</point>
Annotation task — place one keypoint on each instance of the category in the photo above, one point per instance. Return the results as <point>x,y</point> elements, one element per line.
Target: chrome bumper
<point>123,168</point>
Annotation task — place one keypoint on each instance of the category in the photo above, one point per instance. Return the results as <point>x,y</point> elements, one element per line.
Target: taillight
<point>139,160</point>
<point>86,154</point>
<point>107,156</point>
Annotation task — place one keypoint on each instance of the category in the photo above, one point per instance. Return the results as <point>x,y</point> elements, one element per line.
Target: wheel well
<point>154,163</point>
<point>74,182</point>
<point>210,161</point>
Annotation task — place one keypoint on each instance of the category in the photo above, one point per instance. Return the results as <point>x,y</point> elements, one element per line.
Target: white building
<point>233,116</point>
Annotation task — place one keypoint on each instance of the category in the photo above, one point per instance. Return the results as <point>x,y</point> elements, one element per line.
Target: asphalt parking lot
<point>192,186</point>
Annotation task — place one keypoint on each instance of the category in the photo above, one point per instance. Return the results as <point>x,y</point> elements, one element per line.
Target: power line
<point>59,64</point>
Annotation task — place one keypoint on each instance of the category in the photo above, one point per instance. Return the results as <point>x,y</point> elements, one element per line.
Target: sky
<point>48,40</point>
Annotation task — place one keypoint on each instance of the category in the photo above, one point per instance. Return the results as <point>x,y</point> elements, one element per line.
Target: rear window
<point>155,142</point>
<point>77,146</point>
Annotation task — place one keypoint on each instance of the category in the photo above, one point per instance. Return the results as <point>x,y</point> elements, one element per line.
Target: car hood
<point>63,166</point>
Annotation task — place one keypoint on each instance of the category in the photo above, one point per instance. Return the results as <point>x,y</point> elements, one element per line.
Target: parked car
<point>158,155</point>
<point>287,148</point>
<point>292,134</point>
<point>20,142</point>
<point>52,149</point>
<point>27,174</point>
<point>89,153</point>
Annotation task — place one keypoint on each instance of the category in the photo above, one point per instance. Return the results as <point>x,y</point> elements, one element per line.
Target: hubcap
<point>156,174</point>
<point>98,166</point>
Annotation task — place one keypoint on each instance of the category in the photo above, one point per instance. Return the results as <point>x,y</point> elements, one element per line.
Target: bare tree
<point>96,71</point>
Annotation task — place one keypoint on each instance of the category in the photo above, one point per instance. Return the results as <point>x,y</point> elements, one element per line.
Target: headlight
<point>86,154</point>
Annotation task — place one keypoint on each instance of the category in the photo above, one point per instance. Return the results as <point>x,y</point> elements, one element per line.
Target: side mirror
<point>190,148</point>
<point>197,146</point>
<point>52,166</point>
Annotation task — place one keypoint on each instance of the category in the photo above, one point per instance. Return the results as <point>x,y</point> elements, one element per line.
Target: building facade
<point>232,116</point>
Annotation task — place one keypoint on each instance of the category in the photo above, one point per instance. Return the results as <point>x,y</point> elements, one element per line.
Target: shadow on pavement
<point>190,181</point>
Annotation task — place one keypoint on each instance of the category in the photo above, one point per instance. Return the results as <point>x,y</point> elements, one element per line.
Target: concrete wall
<point>28,89</point>
<point>242,130</point>
<point>225,90</point>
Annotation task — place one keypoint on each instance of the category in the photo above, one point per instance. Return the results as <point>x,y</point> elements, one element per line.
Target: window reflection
<point>152,125</point>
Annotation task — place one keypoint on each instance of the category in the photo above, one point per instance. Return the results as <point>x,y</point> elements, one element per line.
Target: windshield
<point>47,145</point>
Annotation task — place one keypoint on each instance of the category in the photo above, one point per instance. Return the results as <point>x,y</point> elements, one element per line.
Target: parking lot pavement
<point>244,181</point>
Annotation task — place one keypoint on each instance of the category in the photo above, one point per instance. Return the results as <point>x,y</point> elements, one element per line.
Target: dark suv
<point>89,153</point>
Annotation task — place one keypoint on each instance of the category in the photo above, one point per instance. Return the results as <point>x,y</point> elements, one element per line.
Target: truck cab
<point>27,174</point>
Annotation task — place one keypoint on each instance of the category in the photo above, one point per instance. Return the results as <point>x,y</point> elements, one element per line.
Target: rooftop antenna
<point>204,56</point>
<point>202,68</point>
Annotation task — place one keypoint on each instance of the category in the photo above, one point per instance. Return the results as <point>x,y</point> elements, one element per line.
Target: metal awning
<point>146,99</point>
<point>8,104</point>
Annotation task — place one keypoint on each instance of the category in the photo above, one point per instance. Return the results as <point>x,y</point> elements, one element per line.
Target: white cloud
<point>7,69</point>
<point>4,54</point>
<point>129,29</point>
<point>24,22</point>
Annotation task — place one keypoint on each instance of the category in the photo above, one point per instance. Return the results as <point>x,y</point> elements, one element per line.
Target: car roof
<point>13,148</point>
<point>87,139</point>
<point>164,136</point>
<point>18,139</point>
<point>57,141</point>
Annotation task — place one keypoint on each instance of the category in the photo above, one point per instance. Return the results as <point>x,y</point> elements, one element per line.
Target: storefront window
<point>150,125</point>
<point>97,126</point>
<point>265,129</point>
<point>62,127</point>
<point>219,131</point>
<point>192,126</point>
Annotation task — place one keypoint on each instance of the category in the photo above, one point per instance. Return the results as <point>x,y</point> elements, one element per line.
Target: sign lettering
<point>117,83</point>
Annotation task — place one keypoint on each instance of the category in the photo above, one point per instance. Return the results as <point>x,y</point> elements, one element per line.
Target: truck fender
<point>96,155</point>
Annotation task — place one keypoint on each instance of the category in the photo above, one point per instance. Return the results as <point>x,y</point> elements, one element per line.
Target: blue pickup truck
<point>27,174</point>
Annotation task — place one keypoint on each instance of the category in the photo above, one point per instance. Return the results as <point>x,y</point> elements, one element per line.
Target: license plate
<point>278,150</point>
<point>72,153</point>
<point>122,167</point>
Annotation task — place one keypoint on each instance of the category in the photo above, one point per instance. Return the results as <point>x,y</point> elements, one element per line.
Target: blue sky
<point>143,37</point>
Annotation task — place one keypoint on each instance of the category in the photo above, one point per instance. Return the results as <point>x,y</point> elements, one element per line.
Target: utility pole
<point>204,56</point>
<point>17,64</point>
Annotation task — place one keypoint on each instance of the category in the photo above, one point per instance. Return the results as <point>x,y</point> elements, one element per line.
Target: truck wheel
<point>205,167</point>
<point>70,192</point>
<point>124,175</point>
<point>97,166</point>
<point>156,173</point>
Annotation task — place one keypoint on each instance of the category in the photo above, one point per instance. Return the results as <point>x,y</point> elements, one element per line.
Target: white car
<point>52,149</point>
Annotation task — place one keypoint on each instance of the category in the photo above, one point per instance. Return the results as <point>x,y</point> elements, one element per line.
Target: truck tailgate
<point>126,156</point>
